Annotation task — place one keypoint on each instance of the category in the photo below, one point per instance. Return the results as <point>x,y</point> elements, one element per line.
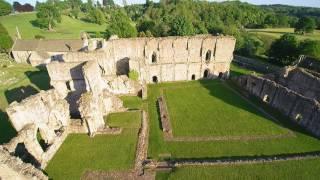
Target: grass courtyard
<point>232,108</point>
<point>80,153</point>
<point>213,109</point>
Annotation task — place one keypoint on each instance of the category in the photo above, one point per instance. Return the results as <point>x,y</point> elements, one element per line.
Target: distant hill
<point>69,28</point>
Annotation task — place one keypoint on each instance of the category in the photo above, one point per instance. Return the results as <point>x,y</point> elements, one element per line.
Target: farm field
<point>80,153</point>
<point>302,169</point>
<point>69,28</point>
<point>275,33</point>
<point>213,109</point>
<point>158,146</point>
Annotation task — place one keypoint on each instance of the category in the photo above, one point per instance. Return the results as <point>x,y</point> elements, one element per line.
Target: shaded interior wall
<point>301,81</point>
<point>300,109</point>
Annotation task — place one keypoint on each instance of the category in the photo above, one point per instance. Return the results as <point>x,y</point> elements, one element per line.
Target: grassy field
<point>213,109</point>
<point>275,33</point>
<point>302,169</point>
<point>157,146</point>
<point>103,152</point>
<point>69,28</point>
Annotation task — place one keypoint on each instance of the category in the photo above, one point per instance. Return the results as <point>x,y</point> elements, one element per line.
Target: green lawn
<point>275,33</point>
<point>79,152</point>
<point>157,146</point>
<point>212,109</point>
<point>69,28</point>
<point>131,102</point>
<point>302,169</point>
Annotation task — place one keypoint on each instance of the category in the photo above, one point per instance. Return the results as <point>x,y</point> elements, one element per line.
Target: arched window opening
<point>68,85</point>
<point>206,73</point>
<point>220,75</point>
<point>299,117</point>
<point>208,55</point>
<point>155,79</point>
<point>193,77</point>
<point>266,99</point>
<point>154,58</point>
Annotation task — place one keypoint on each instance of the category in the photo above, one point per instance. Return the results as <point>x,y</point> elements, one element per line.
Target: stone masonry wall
<point>301,109</point>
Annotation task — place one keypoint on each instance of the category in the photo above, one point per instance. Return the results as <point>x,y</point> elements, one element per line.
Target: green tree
<point>284,51</point>
<point>5,8</point>
<point>96,16</point>
<point>181,26</point>
<point>5,40</point>
<point>121,25</point>
<point>305,25</point>
<point>310,48</point>
<point>48,14</point>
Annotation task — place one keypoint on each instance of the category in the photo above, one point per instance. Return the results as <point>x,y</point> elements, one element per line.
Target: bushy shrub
<point>39,37</point>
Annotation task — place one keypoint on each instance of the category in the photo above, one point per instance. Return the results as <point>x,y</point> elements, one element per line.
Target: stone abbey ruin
<point>88,76</point>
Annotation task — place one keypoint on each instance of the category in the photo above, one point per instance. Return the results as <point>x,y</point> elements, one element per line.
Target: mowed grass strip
<point>131,102</point>
<point>212,149</point>
<point>276,33</point>
<point>103,152</point>
<point>296,169</point>
<point>212,109</point>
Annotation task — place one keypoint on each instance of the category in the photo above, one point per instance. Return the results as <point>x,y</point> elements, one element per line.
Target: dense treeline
<point>189,17</point>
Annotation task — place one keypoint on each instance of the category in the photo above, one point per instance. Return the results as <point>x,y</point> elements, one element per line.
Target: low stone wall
<point>164,116</point>
<point>300,109</point>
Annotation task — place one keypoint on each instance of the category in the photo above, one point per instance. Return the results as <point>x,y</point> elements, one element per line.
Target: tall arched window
<point>208,55</point>
<point>154,57</point>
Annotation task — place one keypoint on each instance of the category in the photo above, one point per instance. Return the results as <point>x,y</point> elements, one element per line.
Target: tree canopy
<point>305,25</point>
<point>120,25</point>
<point>284,51</point>
<point>5,8</point>
<point>48,15</point>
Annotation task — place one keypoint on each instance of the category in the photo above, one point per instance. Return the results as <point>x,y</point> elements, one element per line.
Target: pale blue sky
<point>310,3</point>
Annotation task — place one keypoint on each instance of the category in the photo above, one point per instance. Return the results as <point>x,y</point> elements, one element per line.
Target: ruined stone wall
<point>302,110</point>
<point>13,168</point>
<point>166,59</point>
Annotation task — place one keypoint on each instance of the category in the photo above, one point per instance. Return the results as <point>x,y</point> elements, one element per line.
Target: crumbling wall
<point>47,113</point>
<point>93,107</point>
<point>12,167</point>
<point>299,80</point>
<point>299,108</point>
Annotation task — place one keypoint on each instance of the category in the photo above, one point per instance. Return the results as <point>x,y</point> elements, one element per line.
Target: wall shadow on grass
<point>7,132</point>
<point>39,78</point>
<point>20,93</point>
<point>234,100</point>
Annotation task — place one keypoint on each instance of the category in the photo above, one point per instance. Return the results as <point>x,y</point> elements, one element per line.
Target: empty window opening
<point>68,85</point>
<point>154,58</point>
<point>206,73</point>
<point>298,117</point>
<point>253,84</point>
<point>208,55</point>
<point>193,77</point>
<point>266,99</point>
<point>155,79</point>
<point>123,67</point>
<point>220,75</point>
<point>41,141</point>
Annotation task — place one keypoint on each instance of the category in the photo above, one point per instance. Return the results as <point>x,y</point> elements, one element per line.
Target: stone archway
<point>123,67</point>
<point>206,73</point>
<point>154,79</point>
